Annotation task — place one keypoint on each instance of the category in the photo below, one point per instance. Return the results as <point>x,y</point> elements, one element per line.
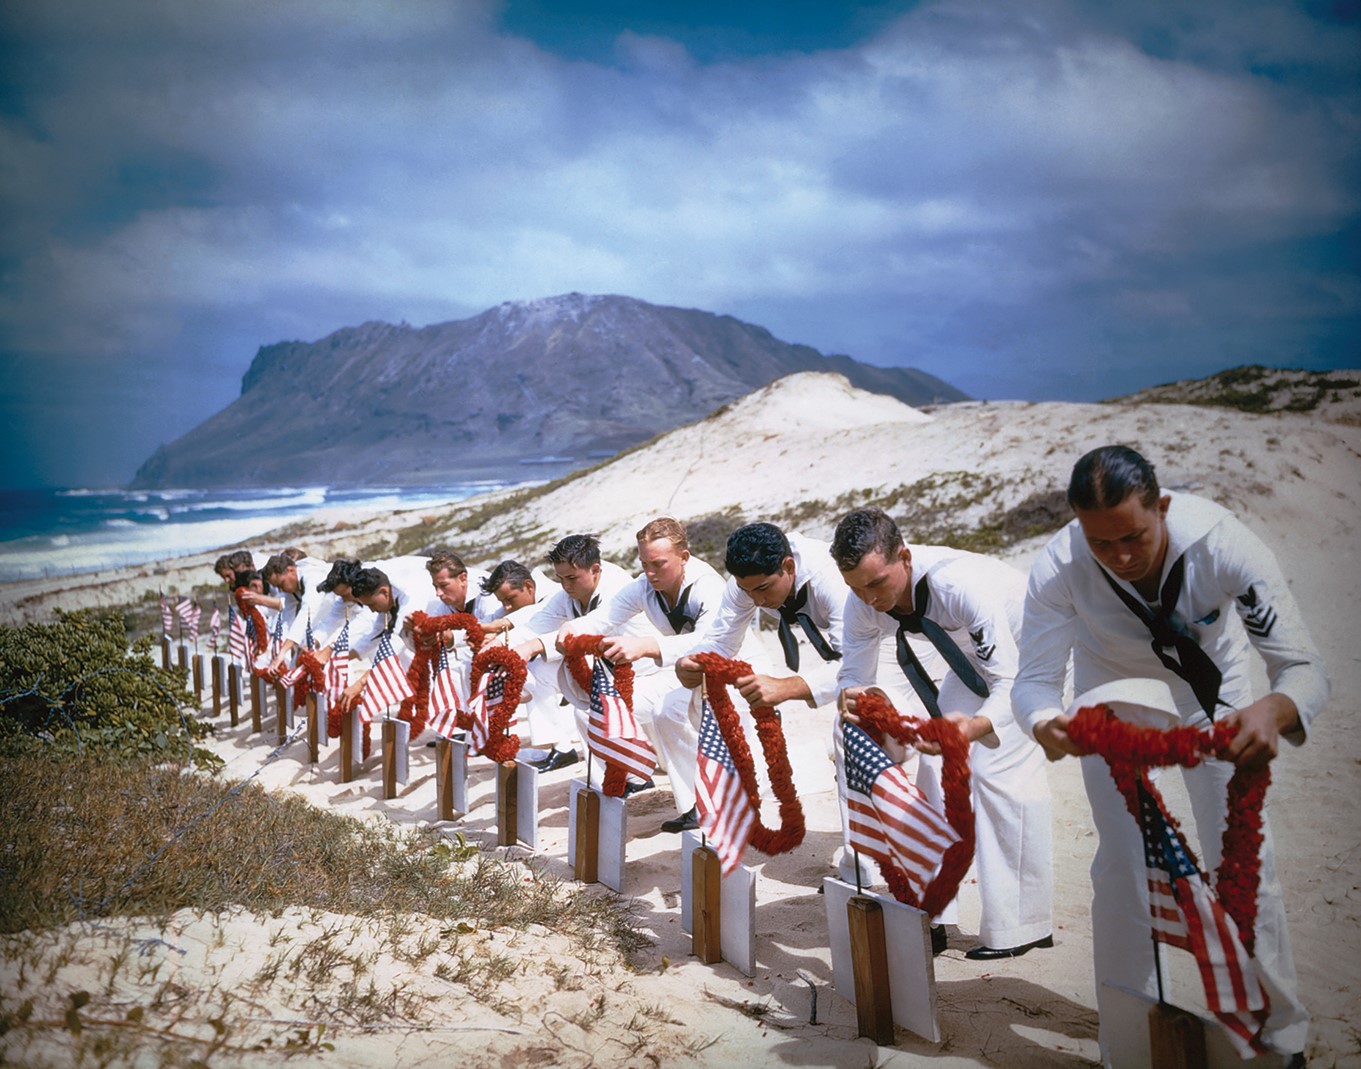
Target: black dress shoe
<point>634,788</point>
<point>556,759</point>
<point>989,953</point>
<point>1297,1061</point>
<point>687,821</point>
<point>940,939</point>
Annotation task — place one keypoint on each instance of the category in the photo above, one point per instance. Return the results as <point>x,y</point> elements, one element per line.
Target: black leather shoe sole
<point>556,760</point>
<point>992,953</point>
<point>634,788</point>
<point>685,822</point>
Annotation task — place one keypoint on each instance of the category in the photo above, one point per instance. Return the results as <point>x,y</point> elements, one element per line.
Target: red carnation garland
<point>500,746</point>
<point>576,648</point>
<point>313,678</point>
<point>878,717</point>
<point>257,619</point>
<point>416,709</point>
<point>719,674</point>
<point>1129,749</point>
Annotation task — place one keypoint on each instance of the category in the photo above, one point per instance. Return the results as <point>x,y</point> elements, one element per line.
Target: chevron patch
<point>1260,617</point>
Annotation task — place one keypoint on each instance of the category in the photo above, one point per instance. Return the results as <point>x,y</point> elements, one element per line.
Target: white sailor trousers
<point>1013,827</point>
<point>1122,946</point>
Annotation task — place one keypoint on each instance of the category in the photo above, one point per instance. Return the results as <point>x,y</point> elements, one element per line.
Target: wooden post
<point>198,676</point>
<point>586,866</point>
<point>706,894</point>
<point>183,660</point>
<point>506,808</point>
<point>257,702</point>
<point>216,674</point>
<point>869,962</point>
<point>234,692</point>
<point>444,778</point>
<point>347,745</point>
<point>165,652</point>
<point>1176,1038</point>
<point>280,712</point>
<point>313,728</point>
<point>389,758</point>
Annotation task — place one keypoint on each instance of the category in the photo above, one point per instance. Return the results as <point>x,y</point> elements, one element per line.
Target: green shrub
<point>74,686</point>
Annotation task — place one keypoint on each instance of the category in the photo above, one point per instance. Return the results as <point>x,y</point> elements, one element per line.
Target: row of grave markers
<point>880,948</point>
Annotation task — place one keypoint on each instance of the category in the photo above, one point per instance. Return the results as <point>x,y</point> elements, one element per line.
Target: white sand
<point>1293,478</point>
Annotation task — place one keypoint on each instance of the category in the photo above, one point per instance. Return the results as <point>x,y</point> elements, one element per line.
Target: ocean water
<point>47,532</point>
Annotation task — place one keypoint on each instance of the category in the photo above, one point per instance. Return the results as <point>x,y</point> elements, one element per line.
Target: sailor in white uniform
<point>793,581</point>
<point>1147,584</point>
<point>586,583</point>
<point>969,608</point>
<point>679,594</point>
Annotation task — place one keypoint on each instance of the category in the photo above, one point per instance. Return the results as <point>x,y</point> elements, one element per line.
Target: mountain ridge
<point>578,375</point>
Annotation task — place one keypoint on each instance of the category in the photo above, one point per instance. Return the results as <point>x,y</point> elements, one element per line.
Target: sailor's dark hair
<point>508,571</point>
<point>1105,477</point>
<point>578,550</point>
<point>861,533</point>
<point>756,549</point>
<point>367,581</point>
<point>342,573</point>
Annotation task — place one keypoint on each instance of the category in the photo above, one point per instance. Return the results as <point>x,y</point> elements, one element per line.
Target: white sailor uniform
<point>1233,596</point>
<point>978,602</point>
<point>660,703</point>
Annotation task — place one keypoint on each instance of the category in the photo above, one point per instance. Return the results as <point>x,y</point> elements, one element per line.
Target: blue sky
<point>1036,200</point>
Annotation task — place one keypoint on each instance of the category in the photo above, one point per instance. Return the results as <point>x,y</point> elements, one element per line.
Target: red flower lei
<point>314,677</point>
<point>576,648</point>
<point>1130,749</point>
<point>500,746</point>
<point>719,674</point>
<point>257,619</point>
<point>878,717</point>
<point>416,709</point>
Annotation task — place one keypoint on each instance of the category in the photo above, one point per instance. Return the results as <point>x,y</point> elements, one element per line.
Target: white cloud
<point>285,160</point>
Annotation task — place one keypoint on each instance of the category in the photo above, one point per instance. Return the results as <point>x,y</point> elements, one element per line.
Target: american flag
<point>612,731</point>
<point>215,626</point>
<point>725,812</point>
<point>386,684</point>
<point>489,694</point>
<point>1187,914</point>
<point>238,642</point>
<point>276,639</point>
<point>890,819</point>
<point>444,702</point>
<point>190,613</point>
<point>338,667</point>
<point>167,616</point>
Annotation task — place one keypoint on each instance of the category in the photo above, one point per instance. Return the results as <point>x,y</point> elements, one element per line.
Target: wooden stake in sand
<point>348,720</point>
<point>234,692</point>
<point>586,817</point>
<point>281,697</point>
<point>396,755</point>
<point>869,959</point>
<point>444,779</point>
<point>706,877</point>
<point>506,803</point>
<point>216,673</point>
<point>257,703</point>
<point>1176,1038</point>
<point>314,728</point>
<point>165,652</point>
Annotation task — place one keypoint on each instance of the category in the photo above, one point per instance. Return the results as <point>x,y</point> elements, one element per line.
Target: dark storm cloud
<point>1034,200</point>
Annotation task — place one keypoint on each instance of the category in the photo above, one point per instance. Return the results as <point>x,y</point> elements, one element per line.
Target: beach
<point>800,452</point>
